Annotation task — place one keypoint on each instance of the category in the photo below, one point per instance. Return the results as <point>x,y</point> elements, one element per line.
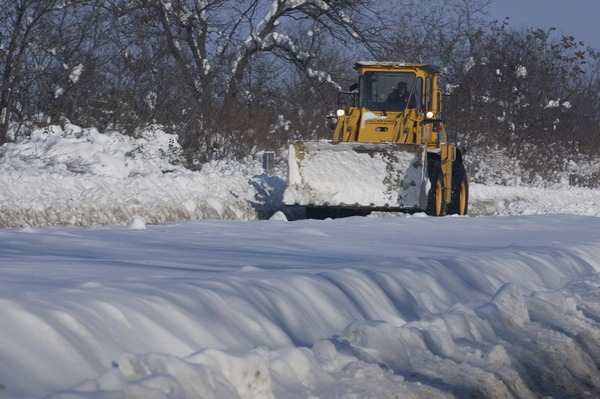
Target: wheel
<point>459,205</point>
<point>435,203</point>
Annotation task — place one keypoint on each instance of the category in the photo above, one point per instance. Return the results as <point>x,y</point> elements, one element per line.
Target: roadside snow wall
<point>77,177</point>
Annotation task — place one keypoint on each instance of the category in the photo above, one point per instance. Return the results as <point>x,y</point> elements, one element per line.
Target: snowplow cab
<point>382,113</point>
<point>389,149</point>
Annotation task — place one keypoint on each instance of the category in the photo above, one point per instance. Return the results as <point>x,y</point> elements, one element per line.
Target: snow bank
<point>485,307</point>
<point>519,200</point>
<point>495,351</point>
<point>78,177</point>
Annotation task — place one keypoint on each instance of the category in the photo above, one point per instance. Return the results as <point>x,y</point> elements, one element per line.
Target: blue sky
<point>580,18</point>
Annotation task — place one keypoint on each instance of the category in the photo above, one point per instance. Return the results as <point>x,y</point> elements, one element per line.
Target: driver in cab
<point>400,96</point>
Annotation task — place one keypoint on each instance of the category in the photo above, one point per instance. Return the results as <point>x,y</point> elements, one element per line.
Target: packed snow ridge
<point>78,177</point>
<point>410,307</point>
<point>73,176</point>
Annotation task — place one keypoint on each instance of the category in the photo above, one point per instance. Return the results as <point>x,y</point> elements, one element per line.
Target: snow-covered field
<point>125,295</point>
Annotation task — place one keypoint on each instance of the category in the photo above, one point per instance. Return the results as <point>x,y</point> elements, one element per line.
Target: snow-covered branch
<point>266,35</point>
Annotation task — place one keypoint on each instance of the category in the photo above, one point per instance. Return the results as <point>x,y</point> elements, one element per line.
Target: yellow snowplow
<point>389,150</point>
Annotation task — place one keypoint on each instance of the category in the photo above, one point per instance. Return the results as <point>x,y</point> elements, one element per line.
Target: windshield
<point>390,91</point>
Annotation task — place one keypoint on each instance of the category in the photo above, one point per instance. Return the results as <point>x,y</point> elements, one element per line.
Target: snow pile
<point>460,353</point>
<point>485,307</point>
<point>334,174</point>
<point>78,177</point>
<point>72,149</point>
<point>493,166</point>
<point>515,200</point>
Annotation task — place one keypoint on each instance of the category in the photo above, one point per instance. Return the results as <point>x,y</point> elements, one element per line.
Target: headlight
<point>429,115</point>
<point>340,112</point>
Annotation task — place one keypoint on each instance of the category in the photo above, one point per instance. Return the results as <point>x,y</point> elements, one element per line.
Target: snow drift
<point>78,177</point>
<point>488,307</point>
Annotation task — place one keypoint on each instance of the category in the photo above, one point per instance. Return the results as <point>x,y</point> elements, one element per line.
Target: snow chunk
<point>510,306</point>
<point>278,216</point>
<point>138,223</point>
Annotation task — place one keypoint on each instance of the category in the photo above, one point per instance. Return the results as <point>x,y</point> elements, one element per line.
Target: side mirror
<point>354,87</point>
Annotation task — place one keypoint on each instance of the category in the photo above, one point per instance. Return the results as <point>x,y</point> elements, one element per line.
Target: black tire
<point>435,203</point>
<point>459,204</point>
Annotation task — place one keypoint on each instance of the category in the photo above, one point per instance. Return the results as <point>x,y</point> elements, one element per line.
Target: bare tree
<point>217,47</point>
<point>21,23</point>
<point>469,20</point>
<point>211,39</point>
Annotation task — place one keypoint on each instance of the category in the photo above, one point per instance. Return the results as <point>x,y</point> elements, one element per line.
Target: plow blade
<point>382,176</point>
